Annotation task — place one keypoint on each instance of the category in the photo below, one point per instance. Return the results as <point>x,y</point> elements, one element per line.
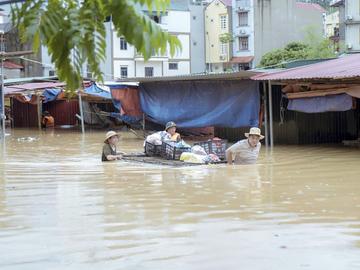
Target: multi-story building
<point>349,25</point>
<point>260,26</point>
<point>332,23</point>
<point>127,62</point>
<point>218,35</point>
<point>197,27</point>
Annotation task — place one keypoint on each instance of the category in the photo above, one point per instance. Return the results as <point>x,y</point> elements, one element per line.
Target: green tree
<point>313,47</point>
<point>74,32</point>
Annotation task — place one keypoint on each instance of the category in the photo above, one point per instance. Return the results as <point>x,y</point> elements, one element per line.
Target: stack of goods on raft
<point>169,145</point>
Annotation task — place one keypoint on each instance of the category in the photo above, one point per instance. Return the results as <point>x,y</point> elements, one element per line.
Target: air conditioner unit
<point>349,17</point>
<point>222,57</point>
<point>349,46</point>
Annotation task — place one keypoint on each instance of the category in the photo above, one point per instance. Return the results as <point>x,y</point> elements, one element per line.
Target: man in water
<point>47,120</point>
<point>245,151</point>
<point>109,152</point>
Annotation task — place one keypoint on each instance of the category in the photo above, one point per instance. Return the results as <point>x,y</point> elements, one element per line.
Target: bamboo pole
<point>39,109</point>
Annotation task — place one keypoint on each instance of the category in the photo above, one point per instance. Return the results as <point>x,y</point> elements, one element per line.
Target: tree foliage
<point>313,47</point>
<point>74,32</point>
<point>226,38</point>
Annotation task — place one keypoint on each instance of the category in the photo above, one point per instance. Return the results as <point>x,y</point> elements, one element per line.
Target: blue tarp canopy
<point>95,90</point>
<point>51,94</point>
<point>334,103</point>
<point>202,103</point>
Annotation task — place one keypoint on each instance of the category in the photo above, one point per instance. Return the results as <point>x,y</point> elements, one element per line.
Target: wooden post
<point>81,113</point>
<point>39,109</point>
<point>266,116</point>
<point>271,117</point>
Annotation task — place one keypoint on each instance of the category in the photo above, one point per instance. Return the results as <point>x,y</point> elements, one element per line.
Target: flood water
<point>62,208</point>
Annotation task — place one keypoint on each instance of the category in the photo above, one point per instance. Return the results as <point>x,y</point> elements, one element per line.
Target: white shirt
<point>244,153</point>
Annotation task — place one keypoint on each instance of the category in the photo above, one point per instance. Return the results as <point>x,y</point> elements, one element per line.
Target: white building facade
<point>243,34</point>
<point>127,62</point>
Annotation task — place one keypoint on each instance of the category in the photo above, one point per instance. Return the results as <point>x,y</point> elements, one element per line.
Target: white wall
<point>353,36</point>
<point>140,68</point>
<point>183,68</point>
<point>129,53</point>
<point>177,21</point>
<point>129,63</point>
<point>353,9</point>
<point>185,52</point>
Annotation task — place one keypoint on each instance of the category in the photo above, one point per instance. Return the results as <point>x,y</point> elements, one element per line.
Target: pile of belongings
<point>199,155</point>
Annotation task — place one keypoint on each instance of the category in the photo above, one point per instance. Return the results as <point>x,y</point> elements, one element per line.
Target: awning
<point>335,103</point>
<point>241,60</point>
<point>193,104</point>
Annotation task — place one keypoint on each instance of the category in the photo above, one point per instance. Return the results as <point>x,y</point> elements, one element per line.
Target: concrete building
<point>261,26</point>
<point>127,62</point>
<point>349,25</point>
<point>332,24</point>
<point>197,27</point>
<point>218,24</point>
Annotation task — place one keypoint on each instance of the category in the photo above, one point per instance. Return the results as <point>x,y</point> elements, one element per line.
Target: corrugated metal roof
<point>346,67</point>
<point>28,79</point>
<point>31,86</point>
<point>196,77</point>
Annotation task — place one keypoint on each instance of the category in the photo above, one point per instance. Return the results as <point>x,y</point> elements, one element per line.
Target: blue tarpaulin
<point>51,94</point>
<point>334,103</point>
<point>201,104</point>
<point>95,90</point>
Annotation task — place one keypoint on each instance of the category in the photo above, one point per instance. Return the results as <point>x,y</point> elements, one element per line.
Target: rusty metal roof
<point>346,67</point>
<point>22,88</point>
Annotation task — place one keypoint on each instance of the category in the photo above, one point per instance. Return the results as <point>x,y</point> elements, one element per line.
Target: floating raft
<point>142,158</point>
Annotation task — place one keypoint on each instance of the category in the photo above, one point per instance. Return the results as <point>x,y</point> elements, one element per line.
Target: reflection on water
<point>61,208</point>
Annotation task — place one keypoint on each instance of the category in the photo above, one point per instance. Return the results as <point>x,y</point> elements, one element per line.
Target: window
<point>149,71</point>
<point>244,66</point>
<point>123,71</point>
<point>243,43</point>
<point>223,22</point>
<point>243,18</point>
<point>173,66</point>
<point>123,44</point>
<point>51,73</point>
<point>223,48</point>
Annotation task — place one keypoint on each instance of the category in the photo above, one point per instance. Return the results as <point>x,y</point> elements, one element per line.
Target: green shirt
<point>107,150</point>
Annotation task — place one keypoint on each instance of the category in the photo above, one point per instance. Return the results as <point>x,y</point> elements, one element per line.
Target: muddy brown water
<point>62,208</point>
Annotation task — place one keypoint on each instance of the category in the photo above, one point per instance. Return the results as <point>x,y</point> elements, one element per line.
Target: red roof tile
<point>12,65</point>
<point>340,68</point>
<point>310,6</point>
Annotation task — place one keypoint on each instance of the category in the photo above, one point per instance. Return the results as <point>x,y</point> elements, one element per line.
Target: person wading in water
<point>109,152</point>
<point>245,151</point>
